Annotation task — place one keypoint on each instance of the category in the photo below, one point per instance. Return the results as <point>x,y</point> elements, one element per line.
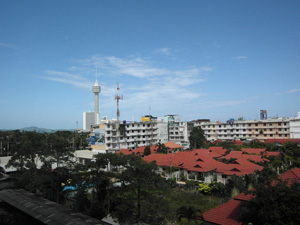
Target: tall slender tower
<point>96,90</point>
<point>117,98</point>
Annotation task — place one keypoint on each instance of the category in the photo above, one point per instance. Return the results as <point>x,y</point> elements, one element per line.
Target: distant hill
<point>37,129</point>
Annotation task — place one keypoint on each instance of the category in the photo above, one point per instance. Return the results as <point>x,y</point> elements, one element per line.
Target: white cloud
<point>8,45</point>
<point>141,81</point>
<point>163,51</point>
<point>293,90</point>
<point>241,57</point>
<point>68,78</point>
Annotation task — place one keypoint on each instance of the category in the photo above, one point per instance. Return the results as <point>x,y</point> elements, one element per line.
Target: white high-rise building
<point>88,120</point>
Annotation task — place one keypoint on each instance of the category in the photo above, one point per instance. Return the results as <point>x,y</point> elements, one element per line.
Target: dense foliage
<point>197,137</point>
<point>277,204</point>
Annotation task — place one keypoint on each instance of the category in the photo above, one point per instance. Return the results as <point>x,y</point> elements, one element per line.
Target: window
<point>271,135</point>
<point>279,129</point>
<point>256,124</point>
<point>265,124</point>
<point>271,129</point>
<point>270,124</point>
<point>265,135</point>
<point>279,124</point>
<point>280,135</point>
<point>249,124</point>
<point>224,176</point>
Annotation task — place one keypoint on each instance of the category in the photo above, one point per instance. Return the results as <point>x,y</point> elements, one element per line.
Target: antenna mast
<point>118,98</point>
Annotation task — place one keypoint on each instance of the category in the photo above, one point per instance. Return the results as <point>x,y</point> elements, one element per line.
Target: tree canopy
<point>278,204</point>
<point>196,137</point>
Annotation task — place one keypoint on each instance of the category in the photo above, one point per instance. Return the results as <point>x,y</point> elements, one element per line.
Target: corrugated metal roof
<point>44,210</point>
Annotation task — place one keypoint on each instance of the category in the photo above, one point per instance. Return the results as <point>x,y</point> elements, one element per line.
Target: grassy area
<point>179,197</point>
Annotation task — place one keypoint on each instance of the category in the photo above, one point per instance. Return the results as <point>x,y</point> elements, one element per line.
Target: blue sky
<point>198,59</point>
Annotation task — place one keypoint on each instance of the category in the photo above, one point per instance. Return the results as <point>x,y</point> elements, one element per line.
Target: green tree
<point>162,148</point>
<point>227,145</point>
<point>196,137</point>
<point>29,148</point>
<point>147,151</point>
<point>59,148</point>
<point>277,204</point>
<point>139,198</point>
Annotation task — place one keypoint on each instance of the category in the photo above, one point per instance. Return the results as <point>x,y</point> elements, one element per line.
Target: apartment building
<point>130,134</point>
<point>247,129</point>
<point>178,131</point>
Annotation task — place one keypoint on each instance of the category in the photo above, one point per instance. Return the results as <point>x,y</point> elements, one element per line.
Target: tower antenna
<point>97,73</point>
<point>118,98</point>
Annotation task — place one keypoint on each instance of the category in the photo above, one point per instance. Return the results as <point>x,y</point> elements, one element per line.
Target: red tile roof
<point>242,155</point>
<point>237,142</point>
<point>281,141</point>
<point>202,160</point>
<point>268,154</point>
<point>225,214</point>
<point>139,151</point>
<point>290,176</point>
<point>219,150</point>
<point>125,151</point>
<point>172,145</point>
<point>241,167</point>
<point>257,151</point>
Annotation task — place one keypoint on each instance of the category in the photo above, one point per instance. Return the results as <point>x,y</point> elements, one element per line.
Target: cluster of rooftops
<point>206,160</point>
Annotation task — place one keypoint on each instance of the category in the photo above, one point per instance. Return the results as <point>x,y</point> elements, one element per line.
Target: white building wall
<point>135,134</point>
<point>162,132</point>
<point>88,120</point>
<point>295,128</point>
